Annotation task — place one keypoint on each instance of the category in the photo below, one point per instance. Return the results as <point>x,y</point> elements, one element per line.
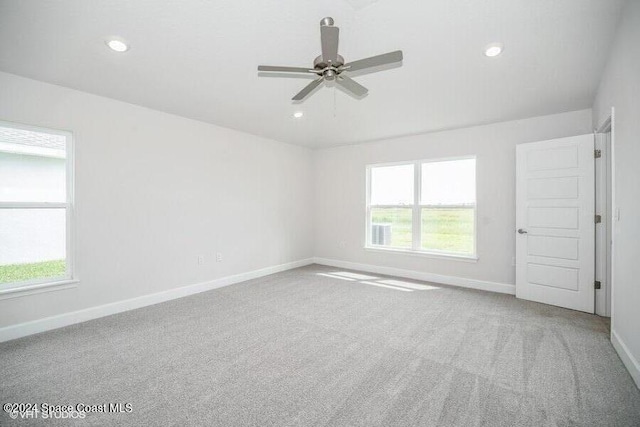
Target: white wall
<point>340,192</point>
<point>620,88</point>
<point>154,191</point>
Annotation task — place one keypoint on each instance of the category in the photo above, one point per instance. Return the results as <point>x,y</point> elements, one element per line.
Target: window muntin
<point>35,205</point>
<point>442,221</point>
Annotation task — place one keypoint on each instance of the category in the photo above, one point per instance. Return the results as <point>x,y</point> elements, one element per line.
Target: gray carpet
<point>302,348</point>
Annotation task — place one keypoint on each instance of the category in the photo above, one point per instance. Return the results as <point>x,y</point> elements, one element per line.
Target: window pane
<point>392,185</point>
<point>449,183</point>
<point>448,230</point>
<point>391,227</point>
<point>32,166</point>
<point>32,244</point>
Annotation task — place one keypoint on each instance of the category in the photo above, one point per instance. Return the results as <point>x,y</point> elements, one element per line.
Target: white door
<point>555,222</point>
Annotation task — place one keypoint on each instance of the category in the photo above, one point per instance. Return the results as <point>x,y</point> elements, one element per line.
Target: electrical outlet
<point>219,257</point>
<point>200,259</point>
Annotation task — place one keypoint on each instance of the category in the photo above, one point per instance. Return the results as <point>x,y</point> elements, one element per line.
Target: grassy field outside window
<point>39,270</point>
<point>448,230</point>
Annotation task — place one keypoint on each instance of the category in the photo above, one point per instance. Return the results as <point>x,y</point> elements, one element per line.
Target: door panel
<point>563,158</point>
<point>555,217</point>
<point>557,277</point>
<point>553,247</point>
<point>553,188</point>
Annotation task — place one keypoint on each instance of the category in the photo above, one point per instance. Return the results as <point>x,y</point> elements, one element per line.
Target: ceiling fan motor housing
<point>320,64</point>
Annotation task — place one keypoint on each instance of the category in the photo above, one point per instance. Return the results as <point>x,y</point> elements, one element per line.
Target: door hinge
<point>598,219</point>
<point>597,284</point>
<point>597,153</point>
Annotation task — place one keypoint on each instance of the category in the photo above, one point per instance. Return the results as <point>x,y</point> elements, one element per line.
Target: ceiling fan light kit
<point>330,66</point>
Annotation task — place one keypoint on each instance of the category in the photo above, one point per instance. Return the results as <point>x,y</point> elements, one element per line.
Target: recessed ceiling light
<point>117,45</point>
<point>493,49</point>
<point>298,114</point>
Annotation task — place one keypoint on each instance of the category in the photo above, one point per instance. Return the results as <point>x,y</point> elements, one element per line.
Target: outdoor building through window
<point>423,206</point>
<point>35,205</point>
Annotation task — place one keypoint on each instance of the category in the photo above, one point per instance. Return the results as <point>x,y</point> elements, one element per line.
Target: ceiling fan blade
<point>329,36</point>
<point>351,85</point>
<point>374,61</point>
<point>307,89</point>
<point>284,69</point>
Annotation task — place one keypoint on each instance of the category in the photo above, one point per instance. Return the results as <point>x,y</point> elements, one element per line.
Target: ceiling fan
<point>331,67</point>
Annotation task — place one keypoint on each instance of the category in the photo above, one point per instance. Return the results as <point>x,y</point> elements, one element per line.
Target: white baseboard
<point>483,285</point>
<point>627,358</point>
<point>41,325</point>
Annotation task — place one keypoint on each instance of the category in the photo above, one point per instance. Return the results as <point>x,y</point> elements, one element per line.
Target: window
<point>423,206</point>
<point>35,206</point>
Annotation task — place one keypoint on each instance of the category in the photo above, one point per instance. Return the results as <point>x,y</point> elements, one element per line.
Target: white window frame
<point>416,213</point>
<point>69,280</point>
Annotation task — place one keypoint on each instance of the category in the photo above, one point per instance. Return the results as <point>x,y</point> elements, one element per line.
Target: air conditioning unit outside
<point>381,234</point>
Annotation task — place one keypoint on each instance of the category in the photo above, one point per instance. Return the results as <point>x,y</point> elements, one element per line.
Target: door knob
<point>521,231</point>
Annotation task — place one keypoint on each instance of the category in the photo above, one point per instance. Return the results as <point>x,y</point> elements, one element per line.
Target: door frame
<point>603,305</point>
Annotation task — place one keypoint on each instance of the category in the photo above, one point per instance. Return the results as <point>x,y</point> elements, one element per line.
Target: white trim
<point>33,205</point>
<point>615,214</point>
<point>627,358</point>
<point>601,228</point>
<point>31,150</point>
<point>41,325</point>
<point>425,254</point>
<point>40,129</point>
<point>463,282</point>
<point>22,290</point>
<point>608,126</point>
<point>420,161</point>
<point>70,145</point>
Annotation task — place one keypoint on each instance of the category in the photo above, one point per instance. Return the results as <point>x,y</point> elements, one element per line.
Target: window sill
<point>16,291</point>
<point>434,255</point>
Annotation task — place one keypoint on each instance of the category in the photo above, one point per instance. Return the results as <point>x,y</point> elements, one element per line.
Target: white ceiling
<point>198,59</point>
